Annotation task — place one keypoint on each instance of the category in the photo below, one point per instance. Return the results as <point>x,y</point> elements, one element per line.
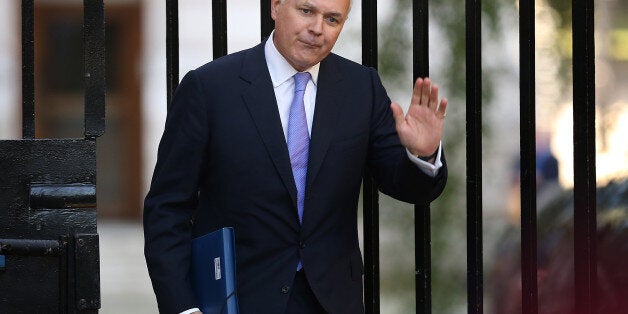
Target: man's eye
<point>332,20</point>
<point>306,11</point>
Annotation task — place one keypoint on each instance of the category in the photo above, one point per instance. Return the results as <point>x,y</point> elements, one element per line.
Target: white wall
<point>10,77</point>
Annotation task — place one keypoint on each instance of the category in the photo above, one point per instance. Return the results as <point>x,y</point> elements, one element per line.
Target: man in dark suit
<point>273,141</point>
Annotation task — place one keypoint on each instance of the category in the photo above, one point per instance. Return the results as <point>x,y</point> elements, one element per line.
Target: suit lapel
<point>260,100</point>
<point>262,105</point>
<point>328,93</point>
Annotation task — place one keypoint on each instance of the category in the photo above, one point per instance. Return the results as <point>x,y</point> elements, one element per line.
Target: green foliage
<point>563,8</point>
<point>394,47</point>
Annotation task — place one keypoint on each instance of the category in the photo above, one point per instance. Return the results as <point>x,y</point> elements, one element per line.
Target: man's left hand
<point>420,131</point>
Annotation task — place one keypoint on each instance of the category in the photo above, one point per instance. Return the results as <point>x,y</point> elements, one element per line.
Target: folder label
<point>217,271</point>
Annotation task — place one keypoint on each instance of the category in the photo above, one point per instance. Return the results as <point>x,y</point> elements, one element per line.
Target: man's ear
<point>274,7</point>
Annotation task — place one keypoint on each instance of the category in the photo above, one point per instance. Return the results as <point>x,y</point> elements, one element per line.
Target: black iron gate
<point>49,260</point>
<point>48,239</point>
<point>584,152</point>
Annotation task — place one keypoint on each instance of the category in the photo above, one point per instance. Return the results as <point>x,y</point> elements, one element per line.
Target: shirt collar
<point>279,68</point>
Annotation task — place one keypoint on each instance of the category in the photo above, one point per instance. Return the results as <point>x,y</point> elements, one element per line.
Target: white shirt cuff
<point>190,311</point>
<point>427,168</point>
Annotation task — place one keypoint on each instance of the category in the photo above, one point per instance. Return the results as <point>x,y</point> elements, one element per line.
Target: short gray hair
<point>350,4</point>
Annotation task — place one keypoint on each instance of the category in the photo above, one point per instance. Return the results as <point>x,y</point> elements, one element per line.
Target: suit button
<point>285,289</point>
<point>301,245</point>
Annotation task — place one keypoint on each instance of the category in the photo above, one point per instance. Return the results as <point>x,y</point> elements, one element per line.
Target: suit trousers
<point>302,299</point>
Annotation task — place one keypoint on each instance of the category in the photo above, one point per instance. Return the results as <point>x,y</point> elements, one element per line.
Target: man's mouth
<point>310,44</point>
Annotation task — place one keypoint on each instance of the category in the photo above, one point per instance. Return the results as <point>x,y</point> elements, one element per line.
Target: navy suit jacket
<point>223,161</point>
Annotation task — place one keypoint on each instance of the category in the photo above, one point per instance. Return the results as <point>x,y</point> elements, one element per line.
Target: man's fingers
<point>442,109</point>
<point>397,113</point>
<point>425,92</point>
<point>416,92</point>
<point>434,97</point>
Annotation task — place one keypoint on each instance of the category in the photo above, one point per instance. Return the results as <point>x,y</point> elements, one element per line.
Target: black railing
<point>94,74</point>
<point>48,231</point>
<point>28,70</point>
<point>370,197</point>
<point>266,20</point>
<point>529,296</point>
<point>172,48</point>
<point>422,236</point>
<point>219,24</point>
<point>585,226</point>
<point>475,293</point>
<point>94,60</point>
<point>584,149</point>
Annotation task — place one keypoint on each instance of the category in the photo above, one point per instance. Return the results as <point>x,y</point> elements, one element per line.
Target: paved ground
<point>125,286</point>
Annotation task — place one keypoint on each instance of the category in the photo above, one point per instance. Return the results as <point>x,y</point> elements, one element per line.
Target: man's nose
<point>316,27</point>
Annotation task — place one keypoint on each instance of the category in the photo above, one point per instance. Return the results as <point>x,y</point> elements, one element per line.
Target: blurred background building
<point>136,111</point>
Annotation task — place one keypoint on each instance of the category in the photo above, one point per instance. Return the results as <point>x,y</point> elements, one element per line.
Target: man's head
<point>306,30</point>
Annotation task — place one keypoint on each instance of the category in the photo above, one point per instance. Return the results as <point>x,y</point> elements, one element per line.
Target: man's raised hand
<point>421,129</point>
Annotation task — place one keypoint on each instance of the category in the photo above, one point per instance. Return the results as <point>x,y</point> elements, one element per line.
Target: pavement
<point>125,285</point>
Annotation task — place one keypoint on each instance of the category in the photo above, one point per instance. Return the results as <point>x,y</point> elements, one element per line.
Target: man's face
<point>306,30</point>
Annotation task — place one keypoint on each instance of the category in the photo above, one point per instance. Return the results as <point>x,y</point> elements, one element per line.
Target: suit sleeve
<point>395,173</point>
<point>173,197</point>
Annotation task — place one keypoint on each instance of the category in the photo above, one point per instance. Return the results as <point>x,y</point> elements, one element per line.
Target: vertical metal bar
<point>420,39</point>
<point>585,232</point>
<point>64,304</point>
<point>423,258</point>
<point>527,109</point>
<point>70,274</point>
<point>474,156</point>
<point>371,244</point>
<point>370,194</point>
<point>267,23</point>
<point>369,33</point>
<point>422,231</point>
<point>94,76</point>
<point>219,24</point>
<point>172,48</point>
<point>28,70</point>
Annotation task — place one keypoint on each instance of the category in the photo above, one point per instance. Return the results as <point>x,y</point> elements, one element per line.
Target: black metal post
<point>585,232</point>
<point>267,23</point>
<point>219,24</point>
<point>527,109</point>
<point>370,194</point>
<point>474,156</point>
<point>94,76</point>
<point>172,48</point>
<point>422,236</point>
<point>28,70</point>
<point>371,244</point>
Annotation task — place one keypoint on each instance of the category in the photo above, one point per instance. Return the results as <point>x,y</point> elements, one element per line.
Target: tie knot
<point>300,81</point>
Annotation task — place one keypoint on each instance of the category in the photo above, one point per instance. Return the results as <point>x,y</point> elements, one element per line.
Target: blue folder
<point>213,272</point>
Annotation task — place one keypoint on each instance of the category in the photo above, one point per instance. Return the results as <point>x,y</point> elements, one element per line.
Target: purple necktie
<point>299,138</point>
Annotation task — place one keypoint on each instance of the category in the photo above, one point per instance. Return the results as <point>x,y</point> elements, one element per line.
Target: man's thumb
<point>397,113</point>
